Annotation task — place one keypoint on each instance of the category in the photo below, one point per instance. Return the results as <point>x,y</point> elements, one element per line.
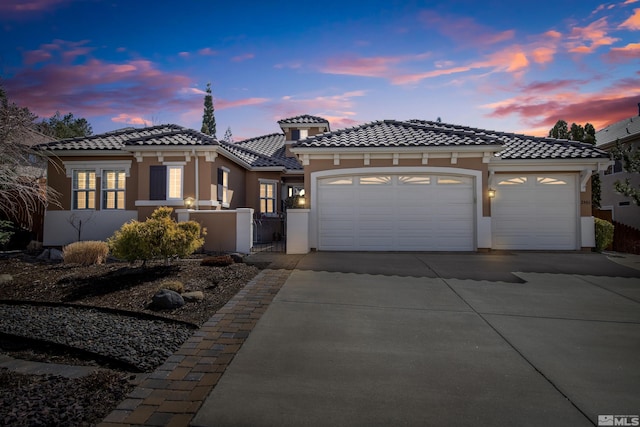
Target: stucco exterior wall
<point>221,229</point>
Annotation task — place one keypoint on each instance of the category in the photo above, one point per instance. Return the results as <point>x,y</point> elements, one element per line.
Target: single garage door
<point>396,213</point>
<point>535,211</point>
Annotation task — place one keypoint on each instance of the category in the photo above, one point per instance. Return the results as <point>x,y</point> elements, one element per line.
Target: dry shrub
<point>173,285</point>
<point>86,253</point>
<point>217,261</point>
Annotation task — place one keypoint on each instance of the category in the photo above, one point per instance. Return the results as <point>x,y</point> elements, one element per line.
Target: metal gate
<point>269,233</point>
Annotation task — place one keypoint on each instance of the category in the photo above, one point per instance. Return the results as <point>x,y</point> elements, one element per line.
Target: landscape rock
<point>5,278</point>
<point>51,255</point>
<point>165,299</point>
<point>193,296</point>
<point>236,257</point>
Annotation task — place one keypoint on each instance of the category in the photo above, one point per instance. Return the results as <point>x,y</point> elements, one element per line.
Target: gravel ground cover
<point>131,332</point>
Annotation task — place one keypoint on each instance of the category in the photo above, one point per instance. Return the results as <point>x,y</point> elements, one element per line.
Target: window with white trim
<point>84,189</point>
<point>268,191</point>
<point>174,182</point>
<point>113,189</point>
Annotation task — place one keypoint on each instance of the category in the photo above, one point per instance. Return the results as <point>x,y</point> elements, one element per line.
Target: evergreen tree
<point>228,137</point>
<point>582,134</point>
<point>630,158</point>
<point>65,127</point>
<point>560,130</point>
<point>208,118</point>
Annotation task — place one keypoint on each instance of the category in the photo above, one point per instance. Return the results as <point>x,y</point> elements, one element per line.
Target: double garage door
<point>396,213</point>
<point>416,212</point>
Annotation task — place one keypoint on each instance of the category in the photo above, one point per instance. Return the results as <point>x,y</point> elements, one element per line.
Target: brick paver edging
<point>174,392</point>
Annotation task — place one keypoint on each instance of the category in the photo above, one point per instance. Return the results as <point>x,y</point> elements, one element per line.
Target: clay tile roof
<point>272,146</point>
<point>517,146</point>
<point>163,135</point>
<point>392,133</point>
<point>304,119</point>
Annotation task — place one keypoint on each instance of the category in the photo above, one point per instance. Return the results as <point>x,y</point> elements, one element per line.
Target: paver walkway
<point>173,393</point>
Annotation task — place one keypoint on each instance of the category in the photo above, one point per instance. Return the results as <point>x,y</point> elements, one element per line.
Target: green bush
<point>85,253</point>
<point>604,234</point>
<point>159,237</point>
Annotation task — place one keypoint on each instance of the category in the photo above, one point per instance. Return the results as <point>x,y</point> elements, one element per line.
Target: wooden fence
<point>626,239</point>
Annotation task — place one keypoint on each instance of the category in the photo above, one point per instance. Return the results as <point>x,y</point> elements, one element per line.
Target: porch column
<point>244,230</point>
<point>298,231</point>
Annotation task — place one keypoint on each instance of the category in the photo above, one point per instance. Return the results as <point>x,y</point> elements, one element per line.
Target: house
<point>383,186</point>
<point>109,179</point>
<point>627,133</point>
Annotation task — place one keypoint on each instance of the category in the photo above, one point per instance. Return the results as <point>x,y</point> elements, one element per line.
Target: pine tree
<point>228,137</point>
<point>208,118</point>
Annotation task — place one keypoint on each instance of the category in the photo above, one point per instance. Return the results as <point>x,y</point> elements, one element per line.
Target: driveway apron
<point>439,339</point>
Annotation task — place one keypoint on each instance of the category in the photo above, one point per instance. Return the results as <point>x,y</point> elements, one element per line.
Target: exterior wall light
<point>301,201</point>
<point>188,202</point>
<point>492,193</point>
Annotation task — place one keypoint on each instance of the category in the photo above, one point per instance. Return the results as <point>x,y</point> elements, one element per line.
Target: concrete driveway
<point>439,339</point>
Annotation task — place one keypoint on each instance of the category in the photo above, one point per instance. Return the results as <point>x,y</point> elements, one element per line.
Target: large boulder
<point>165,299</point>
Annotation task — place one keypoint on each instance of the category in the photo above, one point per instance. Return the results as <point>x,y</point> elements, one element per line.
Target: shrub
<point>217,261</point>
<point>85,253</point>
<point>159,237</point>
<point>604,234</point>
<point>173,285</point>
<point>7,230</point>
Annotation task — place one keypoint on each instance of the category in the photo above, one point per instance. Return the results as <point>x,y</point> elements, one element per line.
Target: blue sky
<point>503,65</point>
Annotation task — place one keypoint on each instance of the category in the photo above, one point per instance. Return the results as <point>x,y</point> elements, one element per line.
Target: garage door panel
<point>535,211</point>
<point>401,212</point>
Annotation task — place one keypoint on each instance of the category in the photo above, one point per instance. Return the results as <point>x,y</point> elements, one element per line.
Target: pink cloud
<point>95,88</point>
<point>25,6</point>
<point>511,60</point>
<point>129,119</point>
<point>588,39</point>
<point>633,22</point>
<point>463,29</point>
<point>540,109</point>
<point>623,54</point>
<point>377,66</point>
<point>337,108</point>
<point>184,54</point>
<point>222,104</point>
<point>243,57</point>
<point>207,51</point>
<point>35,56</point>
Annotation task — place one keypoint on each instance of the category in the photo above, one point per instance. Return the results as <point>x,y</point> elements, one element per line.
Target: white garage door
<point>396,213</point>
<point>535,211</point>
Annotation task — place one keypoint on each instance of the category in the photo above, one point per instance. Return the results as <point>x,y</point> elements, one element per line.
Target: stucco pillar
<point>298,231</point>
<point>244,230</point>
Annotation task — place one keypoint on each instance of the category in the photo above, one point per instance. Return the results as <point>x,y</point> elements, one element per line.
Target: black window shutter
<point>295,134</point>
<point>220,182</point>
<point>158,183</point>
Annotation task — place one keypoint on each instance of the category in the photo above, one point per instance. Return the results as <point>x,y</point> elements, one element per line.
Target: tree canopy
<point>587,134</point>
<point>20,164</point>
<point>630,158</point>
<point>209,118</point>
<point>67,126</point>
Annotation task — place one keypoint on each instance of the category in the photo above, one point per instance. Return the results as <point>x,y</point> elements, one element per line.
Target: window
<point>223,186</point>
<point>113,187</point>
<point>297,134</point>
<point>268,197</point>
<point>165,183</point>
<point>84,189</point>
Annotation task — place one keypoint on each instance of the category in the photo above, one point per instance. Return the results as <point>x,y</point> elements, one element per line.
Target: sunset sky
<point>515,66</point>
